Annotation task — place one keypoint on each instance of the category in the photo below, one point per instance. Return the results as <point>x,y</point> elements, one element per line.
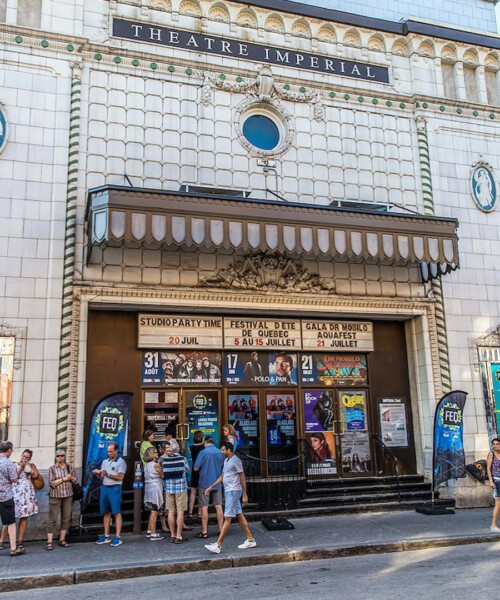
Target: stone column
<point>444,362</point>
<point>68,354</point>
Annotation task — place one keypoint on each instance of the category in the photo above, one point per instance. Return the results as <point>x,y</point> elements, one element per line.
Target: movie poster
<point>319,411</point>
<point>280,419</point>
<point>356,453</point>
<point>321,459</point>
<point>244,417</point>
<point>333,369</point>
<point>193,367</point>
<point>260,368</point>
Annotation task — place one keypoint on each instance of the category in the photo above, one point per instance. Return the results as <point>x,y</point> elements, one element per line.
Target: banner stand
<point>449,409</point>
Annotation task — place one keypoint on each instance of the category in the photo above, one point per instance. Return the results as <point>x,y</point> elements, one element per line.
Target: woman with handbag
<point>24,496</point>
<point>61,479</point>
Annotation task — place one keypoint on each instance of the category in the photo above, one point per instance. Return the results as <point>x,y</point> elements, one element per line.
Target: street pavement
<point>313,538</point>
<point>449,573</point>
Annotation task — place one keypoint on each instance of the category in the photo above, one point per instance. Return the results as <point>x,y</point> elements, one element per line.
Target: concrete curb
<point>89,575</point>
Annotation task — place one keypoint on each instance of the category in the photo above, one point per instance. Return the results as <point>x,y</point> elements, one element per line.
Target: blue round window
<point>262,132</point>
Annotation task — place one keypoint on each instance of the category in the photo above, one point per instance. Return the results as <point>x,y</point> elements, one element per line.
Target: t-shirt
<point>210,462</point>
<point>8,473</point>
<point>113,467</point>
<point>174,468</point>
<point>232,469</point>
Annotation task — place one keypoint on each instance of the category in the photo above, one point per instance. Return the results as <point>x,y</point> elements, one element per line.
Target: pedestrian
<point>174,467</point>
<point>493,469</point>
<point>235,491</point>
<point>209,465</point>
<point>61,478</point>
<point>147,442</point>
<point>153,493</point>
<point>112,472</point>
<point>24,496</point>
<point>8,477</point>
<point>229,435</point>
<point>195,449</point>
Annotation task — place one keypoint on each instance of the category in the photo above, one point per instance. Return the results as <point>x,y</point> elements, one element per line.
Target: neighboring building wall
<point>473,14</point>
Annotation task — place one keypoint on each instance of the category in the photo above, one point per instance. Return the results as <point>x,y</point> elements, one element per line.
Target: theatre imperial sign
<point>210,44</point>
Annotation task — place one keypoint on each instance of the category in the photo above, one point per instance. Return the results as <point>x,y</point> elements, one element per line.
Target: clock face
<point>484,189</point>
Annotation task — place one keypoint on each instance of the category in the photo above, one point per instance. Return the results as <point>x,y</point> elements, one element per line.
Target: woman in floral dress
<point>24,496</point>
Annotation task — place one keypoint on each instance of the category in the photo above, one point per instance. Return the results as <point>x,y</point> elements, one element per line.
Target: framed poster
<point>356,454</point>
<point>181,368</point>
<point>333,369</point>
<point>319,411</point>
<point>320,454</point>
<point>260,368</point>
<point>280,419</point>
<point>353,409</point>
<point>243,415</point>
<point>393,422</point>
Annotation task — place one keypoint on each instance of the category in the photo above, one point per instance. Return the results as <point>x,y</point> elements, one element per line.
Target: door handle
<point>341,427</point>
<point>182,431</point>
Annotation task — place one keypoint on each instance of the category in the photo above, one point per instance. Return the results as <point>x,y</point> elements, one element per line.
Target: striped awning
<point>168,220</point>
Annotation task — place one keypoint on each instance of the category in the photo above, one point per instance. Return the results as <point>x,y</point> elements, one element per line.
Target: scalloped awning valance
<point>156,219</point>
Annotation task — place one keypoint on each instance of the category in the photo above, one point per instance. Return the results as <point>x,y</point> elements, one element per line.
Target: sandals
<point>49,546</point>
<point>187,528</point>
<point>20,544</point>
<point>63,543</point>
<point>180,540</point>
<point>201,535</point>
<point>17,552</point>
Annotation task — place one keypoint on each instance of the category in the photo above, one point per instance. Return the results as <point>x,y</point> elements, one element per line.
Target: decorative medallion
<point>483,187</point>
<point>3,128</point>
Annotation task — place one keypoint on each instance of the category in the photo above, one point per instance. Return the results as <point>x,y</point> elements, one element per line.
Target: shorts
<point>215,497</point>
<point>496,492</point>
<point>177,502</point>
<point>8,512</point>
<point>232,507</point>
<point>150,506</point>
<point>111,499</point>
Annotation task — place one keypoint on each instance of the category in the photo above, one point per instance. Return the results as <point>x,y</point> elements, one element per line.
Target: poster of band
<point>244,417</point>
<point>393,422</point>
<point>181,368</point>
<point>260,368</point>
<point>353,409</point>
<point>333,369</point>
<point>280,419</point>
<point>356,454</point>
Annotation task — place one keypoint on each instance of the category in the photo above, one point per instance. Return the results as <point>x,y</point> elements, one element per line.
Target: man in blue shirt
<point>209,463</point>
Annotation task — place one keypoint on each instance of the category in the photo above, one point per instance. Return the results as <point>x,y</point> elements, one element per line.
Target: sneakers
<point>247,544</point>
<point>495,529</point>
<point>148,534</point>
<point>117,541</point>
<point>104,539</point>
<point>153,537</point>
<point>215,548</point>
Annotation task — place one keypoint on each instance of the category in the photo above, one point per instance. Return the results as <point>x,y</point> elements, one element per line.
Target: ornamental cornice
<point>127,295</point>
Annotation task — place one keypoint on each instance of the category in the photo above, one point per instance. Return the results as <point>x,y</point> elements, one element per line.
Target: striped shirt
<point>174,468</point>
<point>64,489</point>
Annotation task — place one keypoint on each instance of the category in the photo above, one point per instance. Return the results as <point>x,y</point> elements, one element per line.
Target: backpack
<point>478,470</point>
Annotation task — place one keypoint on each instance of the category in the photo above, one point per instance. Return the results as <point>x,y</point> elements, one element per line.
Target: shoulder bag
<point>77,488</point>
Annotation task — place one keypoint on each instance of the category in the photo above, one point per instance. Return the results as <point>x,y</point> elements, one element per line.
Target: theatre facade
<point>281,221</point>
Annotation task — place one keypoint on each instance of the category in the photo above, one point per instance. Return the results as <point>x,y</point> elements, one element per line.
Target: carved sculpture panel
<point>268,273</point>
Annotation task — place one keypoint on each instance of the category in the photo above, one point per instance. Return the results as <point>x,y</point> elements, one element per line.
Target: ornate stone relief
<point>190,8</point>
<point>326,34</point>
<point>425,49</point>
<point>274,23</point>
<point>400,48</point>
<point>263,88</point>
<point>268,272</point>
<point>376,43</point>
<point>160,4</point>
<point>219,13</point>
<point>301,29</point>
<point>470,58</point>
<point>246,19</point>
<point>351,38</point>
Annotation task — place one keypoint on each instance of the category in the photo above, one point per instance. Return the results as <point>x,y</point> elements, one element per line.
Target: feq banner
<point>449,457</point>
<point>110,423</point>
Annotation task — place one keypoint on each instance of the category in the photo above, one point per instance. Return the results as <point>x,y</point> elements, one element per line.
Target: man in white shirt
<point>235,491</point>
<point>112,472</point>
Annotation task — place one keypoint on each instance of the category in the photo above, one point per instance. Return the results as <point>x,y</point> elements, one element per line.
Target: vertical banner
<point>110,423</point>
<point>449,457</point>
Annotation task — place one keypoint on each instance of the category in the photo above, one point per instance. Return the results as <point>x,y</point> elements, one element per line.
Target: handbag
<point>38,482</point>
<point>77,488</point>
<point>478,470</point>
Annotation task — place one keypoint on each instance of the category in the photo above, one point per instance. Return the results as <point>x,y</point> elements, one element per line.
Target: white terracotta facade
<point>167,117</point>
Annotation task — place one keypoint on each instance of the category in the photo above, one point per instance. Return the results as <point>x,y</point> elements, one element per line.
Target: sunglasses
<point>60,455</point>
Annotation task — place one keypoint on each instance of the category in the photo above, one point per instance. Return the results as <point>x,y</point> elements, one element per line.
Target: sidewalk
<point>312,538</point>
